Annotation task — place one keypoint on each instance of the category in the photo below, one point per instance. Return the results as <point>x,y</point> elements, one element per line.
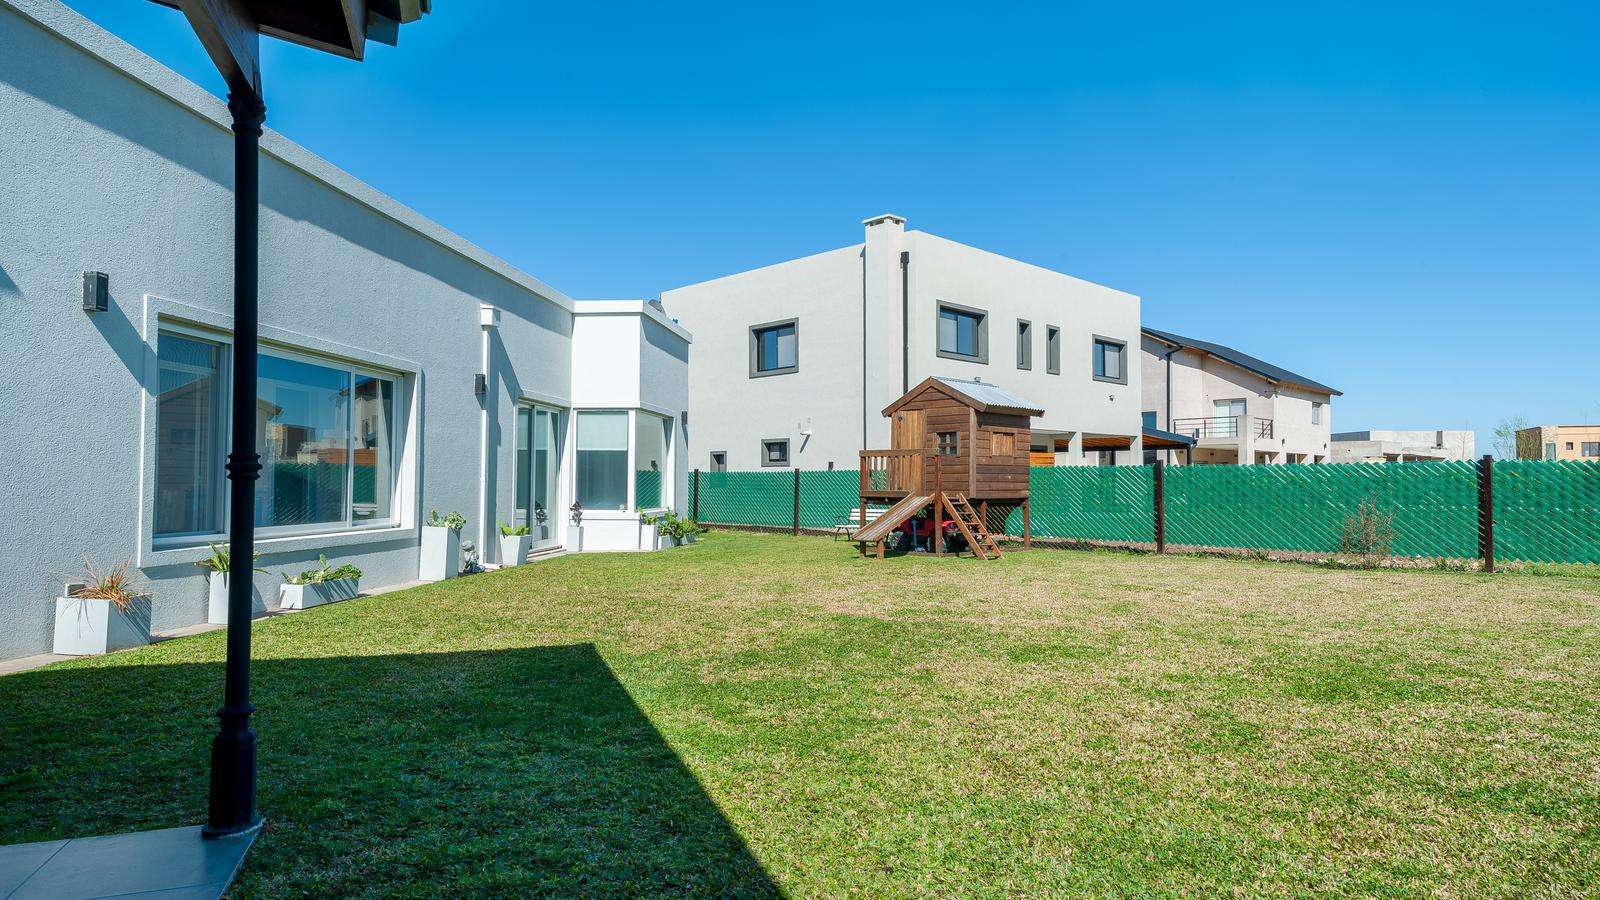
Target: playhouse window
<point>947,443</point>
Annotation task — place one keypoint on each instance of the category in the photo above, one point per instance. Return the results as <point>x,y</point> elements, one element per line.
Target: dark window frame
<point>1094,359</point>
<point>765,457</point>
<point>1024,344</point>
<point>953,448</point>
<point>980,332</point>
<point>755,347</point>
<point>715,464</point>
<point>1052,349</point>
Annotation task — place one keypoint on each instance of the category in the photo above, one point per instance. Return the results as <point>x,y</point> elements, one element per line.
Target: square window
<point>775,452</point>
<point>947,443</point>
<point>963,333</point>
<point>775,348</point>
<point>719,460</point>
<point>1109,360</point>
<point>1003,443</point>
<point>1591,448</point>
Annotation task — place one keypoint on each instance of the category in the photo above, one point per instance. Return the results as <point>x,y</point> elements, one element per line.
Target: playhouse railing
<point>896,472</point>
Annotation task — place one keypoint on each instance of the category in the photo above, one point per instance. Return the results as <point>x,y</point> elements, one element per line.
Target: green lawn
<point>760,714</point>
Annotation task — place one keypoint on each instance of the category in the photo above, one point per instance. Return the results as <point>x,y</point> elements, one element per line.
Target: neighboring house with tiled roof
<point>1238,408</point>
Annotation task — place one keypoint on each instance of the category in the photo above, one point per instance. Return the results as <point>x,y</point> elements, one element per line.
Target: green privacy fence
<point>1543,511</point>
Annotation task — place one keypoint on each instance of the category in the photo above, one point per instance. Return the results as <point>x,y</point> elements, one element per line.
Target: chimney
<point>896,226</point>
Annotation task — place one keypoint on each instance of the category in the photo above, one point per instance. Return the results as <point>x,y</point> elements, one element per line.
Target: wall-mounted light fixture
<point>96,292</point>
<point>480,384</point>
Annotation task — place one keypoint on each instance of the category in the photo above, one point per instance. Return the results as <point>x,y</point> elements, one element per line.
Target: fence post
<point>694,513</point>
<point>1486,511</point>
<point>797,501</point>
<point>1161,506</point>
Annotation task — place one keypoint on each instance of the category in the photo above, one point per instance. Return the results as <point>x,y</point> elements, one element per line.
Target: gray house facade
<point>403,369</point>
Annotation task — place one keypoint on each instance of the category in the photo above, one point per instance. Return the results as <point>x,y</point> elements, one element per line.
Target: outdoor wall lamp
<point>480,384</point>
<point>96,292</point>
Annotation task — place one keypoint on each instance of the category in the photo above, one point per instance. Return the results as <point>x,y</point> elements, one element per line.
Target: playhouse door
<point>910,426</point>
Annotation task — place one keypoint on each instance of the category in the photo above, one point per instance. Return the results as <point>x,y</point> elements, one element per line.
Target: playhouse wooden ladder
<point>972,526</point>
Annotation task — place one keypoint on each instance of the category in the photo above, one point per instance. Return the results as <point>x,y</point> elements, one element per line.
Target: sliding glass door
<point>538,462</point>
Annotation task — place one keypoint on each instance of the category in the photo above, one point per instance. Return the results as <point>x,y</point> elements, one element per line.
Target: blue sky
<point>1401,200</point>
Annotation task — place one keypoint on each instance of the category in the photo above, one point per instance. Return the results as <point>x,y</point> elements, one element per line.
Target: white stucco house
<point>794,363</point>
<point>1237,408</point>
<point>403,369</point>
<point>1404,445</point>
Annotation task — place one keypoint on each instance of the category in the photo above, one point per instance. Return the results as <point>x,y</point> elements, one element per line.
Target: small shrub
<point>115,584</point>
<point>324,572</point>
<point>220,557</point>
<point>1368,533</point>
<point>513,530</point>
<point>453,520</point>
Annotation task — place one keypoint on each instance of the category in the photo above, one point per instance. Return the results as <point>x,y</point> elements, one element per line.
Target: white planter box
<point>85,627</point>
<point>650,536</point>
<point>691,538</point>
<point>305,596</point>
<point>217,599</point>
<point>514,549</point>
<point>666,541</point>
<point>441,553</point>
<point>574,539</point>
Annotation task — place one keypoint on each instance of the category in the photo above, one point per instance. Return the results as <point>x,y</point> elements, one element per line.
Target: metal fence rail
<point>1540,511</point>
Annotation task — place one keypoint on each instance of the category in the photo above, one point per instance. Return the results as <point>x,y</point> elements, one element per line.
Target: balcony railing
<point>1221,427</point>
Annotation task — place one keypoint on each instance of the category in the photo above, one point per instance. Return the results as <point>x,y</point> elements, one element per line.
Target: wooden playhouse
<point>958,449</point>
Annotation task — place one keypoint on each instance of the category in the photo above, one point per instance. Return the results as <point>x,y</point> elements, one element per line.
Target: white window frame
<point>400,433</point>
<point>1316,413</point>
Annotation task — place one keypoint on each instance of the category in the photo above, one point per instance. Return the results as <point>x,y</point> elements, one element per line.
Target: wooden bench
<point>845,524</point>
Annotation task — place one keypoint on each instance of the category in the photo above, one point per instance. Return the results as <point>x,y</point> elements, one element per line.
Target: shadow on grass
<point>514,771</point>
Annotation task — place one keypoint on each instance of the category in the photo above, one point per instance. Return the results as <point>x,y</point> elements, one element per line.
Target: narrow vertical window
<point>649,459</point>
<point>1316,413</point>
<point>1024,344</point>
<point>372,482</point>
<point>1052,350</point>
<point>190,424</point>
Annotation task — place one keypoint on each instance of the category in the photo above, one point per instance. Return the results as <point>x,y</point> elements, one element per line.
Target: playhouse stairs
<point>971,526</point>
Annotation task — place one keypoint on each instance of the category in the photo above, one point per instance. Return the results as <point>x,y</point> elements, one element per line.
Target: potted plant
<point>651,532</point>
<point>441,546</point>
<point>216,566</point>
<point>515,542</point>
<point>575,533</point>
<point>324,584</point>
<point>690,530</point>
<point>103,613</point>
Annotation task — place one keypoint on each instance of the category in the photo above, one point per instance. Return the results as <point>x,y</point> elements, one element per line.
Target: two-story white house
<point>794,363</point>
<point>1237,408</point>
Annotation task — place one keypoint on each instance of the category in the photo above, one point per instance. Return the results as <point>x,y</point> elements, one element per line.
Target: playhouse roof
<point>979,395</point>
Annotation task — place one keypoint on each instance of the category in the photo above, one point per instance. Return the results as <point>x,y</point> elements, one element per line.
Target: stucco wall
<point>113,163</point>
<point>733,412</point>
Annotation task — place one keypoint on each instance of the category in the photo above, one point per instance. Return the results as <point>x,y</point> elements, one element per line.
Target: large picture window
<point>603,459</point>
<point>191,421</point>
<point>327,436</point>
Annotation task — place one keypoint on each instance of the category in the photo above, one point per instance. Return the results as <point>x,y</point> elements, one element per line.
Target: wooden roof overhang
<point>1156,439</point>
<point>1107,442</point>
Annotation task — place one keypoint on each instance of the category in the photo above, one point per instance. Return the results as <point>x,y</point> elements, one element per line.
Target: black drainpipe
<point>905,321</point>
<point>1169,399</point>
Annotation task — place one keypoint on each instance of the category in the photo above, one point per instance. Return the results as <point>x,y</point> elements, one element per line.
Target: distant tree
<point>1505,436</point>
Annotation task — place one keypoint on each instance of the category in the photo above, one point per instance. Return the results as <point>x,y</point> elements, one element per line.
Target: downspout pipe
<point>488,320</point>
<point>1169,397</point>
<point>905,321</point>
